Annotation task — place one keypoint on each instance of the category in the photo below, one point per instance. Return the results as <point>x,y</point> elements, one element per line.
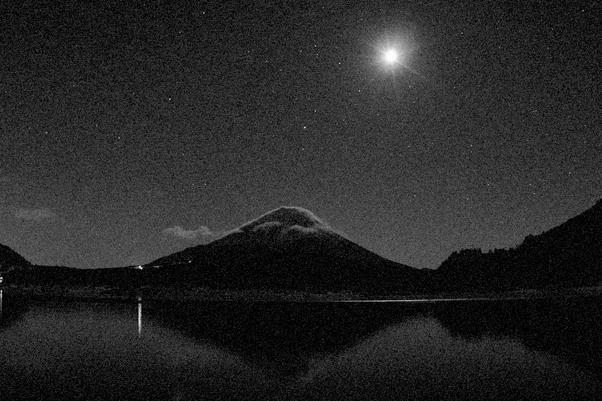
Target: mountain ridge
<point>569,254</point>
<point>9,258</point>
<point>278,228</point>
<point>290,248</point>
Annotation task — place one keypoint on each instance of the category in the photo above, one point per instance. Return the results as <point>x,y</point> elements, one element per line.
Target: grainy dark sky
<point>130,130</point>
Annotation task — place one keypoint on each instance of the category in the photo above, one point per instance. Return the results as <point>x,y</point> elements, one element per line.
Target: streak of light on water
<point>139,317</point>
<point>422,300</point>
<point>465,299</point>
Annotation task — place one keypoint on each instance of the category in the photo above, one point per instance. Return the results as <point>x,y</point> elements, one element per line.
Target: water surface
<point>507,350</point>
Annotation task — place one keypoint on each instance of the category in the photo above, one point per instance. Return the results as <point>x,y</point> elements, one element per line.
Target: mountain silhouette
<point>569,255</point>
<point>289,248</point>
<point>10,259</point>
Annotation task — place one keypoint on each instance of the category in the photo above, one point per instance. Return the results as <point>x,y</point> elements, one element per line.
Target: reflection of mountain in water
<point>568,328</point>
<point>11,309</point>
<point>281,335</point>
<point>289,339</point>
<point>285,336</point>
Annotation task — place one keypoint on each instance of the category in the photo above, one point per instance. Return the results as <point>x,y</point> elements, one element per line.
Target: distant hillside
<point>288,248</point>
<point>10,259</point>
<point>565,256</point>
<point>291,249</point>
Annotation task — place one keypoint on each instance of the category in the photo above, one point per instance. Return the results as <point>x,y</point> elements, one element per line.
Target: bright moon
<point>390,56</point>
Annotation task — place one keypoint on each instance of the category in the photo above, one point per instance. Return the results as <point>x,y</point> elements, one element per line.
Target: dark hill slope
<point>566,256</point>
<point>10,259</point>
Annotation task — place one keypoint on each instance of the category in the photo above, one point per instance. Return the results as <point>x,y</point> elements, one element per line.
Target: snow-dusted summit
<point>284,224</point>
<point>286,217</point>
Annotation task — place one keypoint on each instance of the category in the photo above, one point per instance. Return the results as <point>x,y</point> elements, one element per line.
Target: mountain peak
<point>285,217</point>
<point>288,247</point>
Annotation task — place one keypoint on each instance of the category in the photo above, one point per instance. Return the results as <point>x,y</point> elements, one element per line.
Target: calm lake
<point>469,350</point>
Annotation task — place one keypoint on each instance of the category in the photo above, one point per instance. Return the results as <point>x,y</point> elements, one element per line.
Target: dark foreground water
<point>479,350</point>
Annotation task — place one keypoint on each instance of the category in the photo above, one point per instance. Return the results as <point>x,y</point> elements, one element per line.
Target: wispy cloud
<point>35,214</point>
<point>180,232</point>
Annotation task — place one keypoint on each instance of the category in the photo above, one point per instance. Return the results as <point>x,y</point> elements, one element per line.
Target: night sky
<point>132,130</point>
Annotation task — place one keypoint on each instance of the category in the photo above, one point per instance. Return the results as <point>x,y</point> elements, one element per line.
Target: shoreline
<point>169,294</point>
